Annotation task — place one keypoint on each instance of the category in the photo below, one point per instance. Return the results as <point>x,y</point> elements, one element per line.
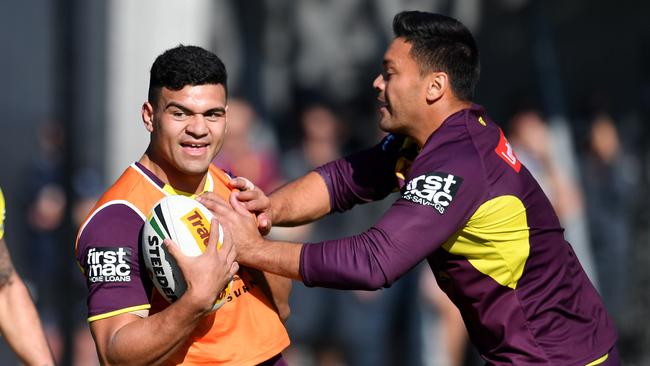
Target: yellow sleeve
<point>2,214</point>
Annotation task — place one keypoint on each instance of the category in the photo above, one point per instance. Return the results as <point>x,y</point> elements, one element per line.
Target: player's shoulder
<point>136,187</point>
<point>111,220</point>
<point>453,151</point>
<point>451,161</point>
<point>125,203</point>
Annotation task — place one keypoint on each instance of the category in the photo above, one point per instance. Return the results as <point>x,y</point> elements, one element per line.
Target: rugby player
<point>130,321</point>
<point>19,322</point>
<point>467,206</point>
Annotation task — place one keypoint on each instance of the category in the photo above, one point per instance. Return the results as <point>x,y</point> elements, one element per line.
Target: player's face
<point>188,127</point>
<point>401,89</point>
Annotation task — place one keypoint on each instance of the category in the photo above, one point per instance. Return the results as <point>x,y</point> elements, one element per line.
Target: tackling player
<point>131,323</point>
<point>19,322</point>
<point>467,206</point>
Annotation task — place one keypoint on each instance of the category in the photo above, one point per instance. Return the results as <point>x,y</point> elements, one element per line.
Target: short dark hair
<point>441,43</point>
<point>182,66</point>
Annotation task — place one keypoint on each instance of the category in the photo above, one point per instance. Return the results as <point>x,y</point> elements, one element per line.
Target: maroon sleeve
<point>366,176</point>
<point>108,252</point>
<point>433,205</point>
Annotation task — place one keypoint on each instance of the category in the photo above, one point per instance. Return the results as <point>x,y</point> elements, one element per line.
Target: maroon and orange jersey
<point>245,331</point>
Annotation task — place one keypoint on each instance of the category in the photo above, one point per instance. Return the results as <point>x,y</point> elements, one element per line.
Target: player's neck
<point>436,116</point>
<point>193,184</point>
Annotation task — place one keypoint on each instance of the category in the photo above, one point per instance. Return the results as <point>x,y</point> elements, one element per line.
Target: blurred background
<point>569,82</point>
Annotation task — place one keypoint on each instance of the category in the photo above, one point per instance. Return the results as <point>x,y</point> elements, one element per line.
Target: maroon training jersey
<point>489,233</point>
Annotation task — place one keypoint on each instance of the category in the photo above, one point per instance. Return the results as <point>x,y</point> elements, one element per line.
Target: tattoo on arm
<point>6,267</point>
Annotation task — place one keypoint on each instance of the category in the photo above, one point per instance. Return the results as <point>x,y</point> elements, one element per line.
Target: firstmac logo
<point>435,189</point>
<point>108,264</point>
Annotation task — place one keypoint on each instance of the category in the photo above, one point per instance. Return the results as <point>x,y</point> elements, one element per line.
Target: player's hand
<point>208,274</point>
<point>236,220</point>
<point>254,200</point>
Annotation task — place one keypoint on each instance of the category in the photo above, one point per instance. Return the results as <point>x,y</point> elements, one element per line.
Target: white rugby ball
<point>187,223</point>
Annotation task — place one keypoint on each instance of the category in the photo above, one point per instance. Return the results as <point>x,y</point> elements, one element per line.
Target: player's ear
<point>438,83</point>
<point>147,116</point>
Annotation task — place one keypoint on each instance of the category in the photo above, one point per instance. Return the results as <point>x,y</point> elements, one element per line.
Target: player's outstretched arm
<point>19,320</point>
<point>298,202</point>
<point>128,339</point>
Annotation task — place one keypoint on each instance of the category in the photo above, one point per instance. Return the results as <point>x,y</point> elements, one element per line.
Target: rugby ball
<point>187,223</point>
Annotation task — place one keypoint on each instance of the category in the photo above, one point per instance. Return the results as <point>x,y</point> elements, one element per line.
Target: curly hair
<point>185,65</point>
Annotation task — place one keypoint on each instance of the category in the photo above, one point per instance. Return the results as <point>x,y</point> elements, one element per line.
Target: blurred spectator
<point>321,141</point>
<point>45,216</point>
<point>313,325</point>
<point>87,187</point>
<point>539,148</point>
<point>609,179</point>
<point>330,327</point>
<point>249,150</point>
<point>530,139</point>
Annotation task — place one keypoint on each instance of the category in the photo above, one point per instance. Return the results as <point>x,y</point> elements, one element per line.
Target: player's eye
<point>179,115</point>
<point>213,116</point>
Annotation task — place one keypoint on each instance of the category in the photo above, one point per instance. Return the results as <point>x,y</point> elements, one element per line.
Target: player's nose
<point>378,83</point>
<point>197,125</point>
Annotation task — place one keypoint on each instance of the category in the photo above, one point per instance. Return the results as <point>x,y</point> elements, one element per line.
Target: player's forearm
<point>280,258</point>
<point>151,340</point>
<point>20,324</point>
<point>301,201</point>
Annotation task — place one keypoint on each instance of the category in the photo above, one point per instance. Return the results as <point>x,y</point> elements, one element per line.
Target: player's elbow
<point>376,281</point>
<point>370,280</point>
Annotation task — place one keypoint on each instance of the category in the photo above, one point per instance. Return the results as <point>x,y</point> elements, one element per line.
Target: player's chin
<point>194,167</point>
<point>387,125</point>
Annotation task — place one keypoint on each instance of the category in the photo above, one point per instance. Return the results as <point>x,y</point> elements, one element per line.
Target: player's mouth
<point>383,107</point>
<point>195,148</point>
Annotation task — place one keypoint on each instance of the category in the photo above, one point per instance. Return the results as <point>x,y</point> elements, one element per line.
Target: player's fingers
<point>238,206</point>
<point>256,200</point>
<point>234,268</point>
<point>174,251</point>
<point>227,245</point>
<point>213,239</point>
<point>247,196</point>
<point>264,223</point>
<point>211,200</point>
<point>232,255</point>
<point>242,184</point>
